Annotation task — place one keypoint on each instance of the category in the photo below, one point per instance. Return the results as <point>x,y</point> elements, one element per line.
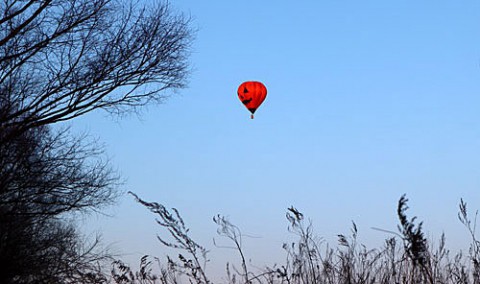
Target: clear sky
<point>367,100</point>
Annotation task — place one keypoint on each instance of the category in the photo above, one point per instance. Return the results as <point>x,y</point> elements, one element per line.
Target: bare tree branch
<point>61,59</point>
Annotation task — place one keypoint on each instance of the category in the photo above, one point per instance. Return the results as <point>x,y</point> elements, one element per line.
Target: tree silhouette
<point>43,177</point>
<point>60,59</point>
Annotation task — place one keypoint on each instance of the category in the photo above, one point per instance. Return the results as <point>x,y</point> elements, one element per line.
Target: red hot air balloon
<point>252,94</point>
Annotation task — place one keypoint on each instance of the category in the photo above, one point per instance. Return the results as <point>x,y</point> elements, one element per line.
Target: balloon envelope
<point>252,94</point>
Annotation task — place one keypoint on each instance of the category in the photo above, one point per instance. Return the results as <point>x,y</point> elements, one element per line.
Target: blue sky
<point>367,100</point>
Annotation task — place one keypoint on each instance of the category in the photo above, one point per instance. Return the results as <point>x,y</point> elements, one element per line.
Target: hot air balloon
<point>252,94</point>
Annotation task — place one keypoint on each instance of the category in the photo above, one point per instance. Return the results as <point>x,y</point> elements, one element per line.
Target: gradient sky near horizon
<point>367,100</point>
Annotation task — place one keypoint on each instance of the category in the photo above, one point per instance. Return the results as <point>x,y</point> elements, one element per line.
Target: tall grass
<point>406,257</point>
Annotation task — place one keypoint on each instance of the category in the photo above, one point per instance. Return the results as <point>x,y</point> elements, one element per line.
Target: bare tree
<point>60,59</point>
<point>43,177</point>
